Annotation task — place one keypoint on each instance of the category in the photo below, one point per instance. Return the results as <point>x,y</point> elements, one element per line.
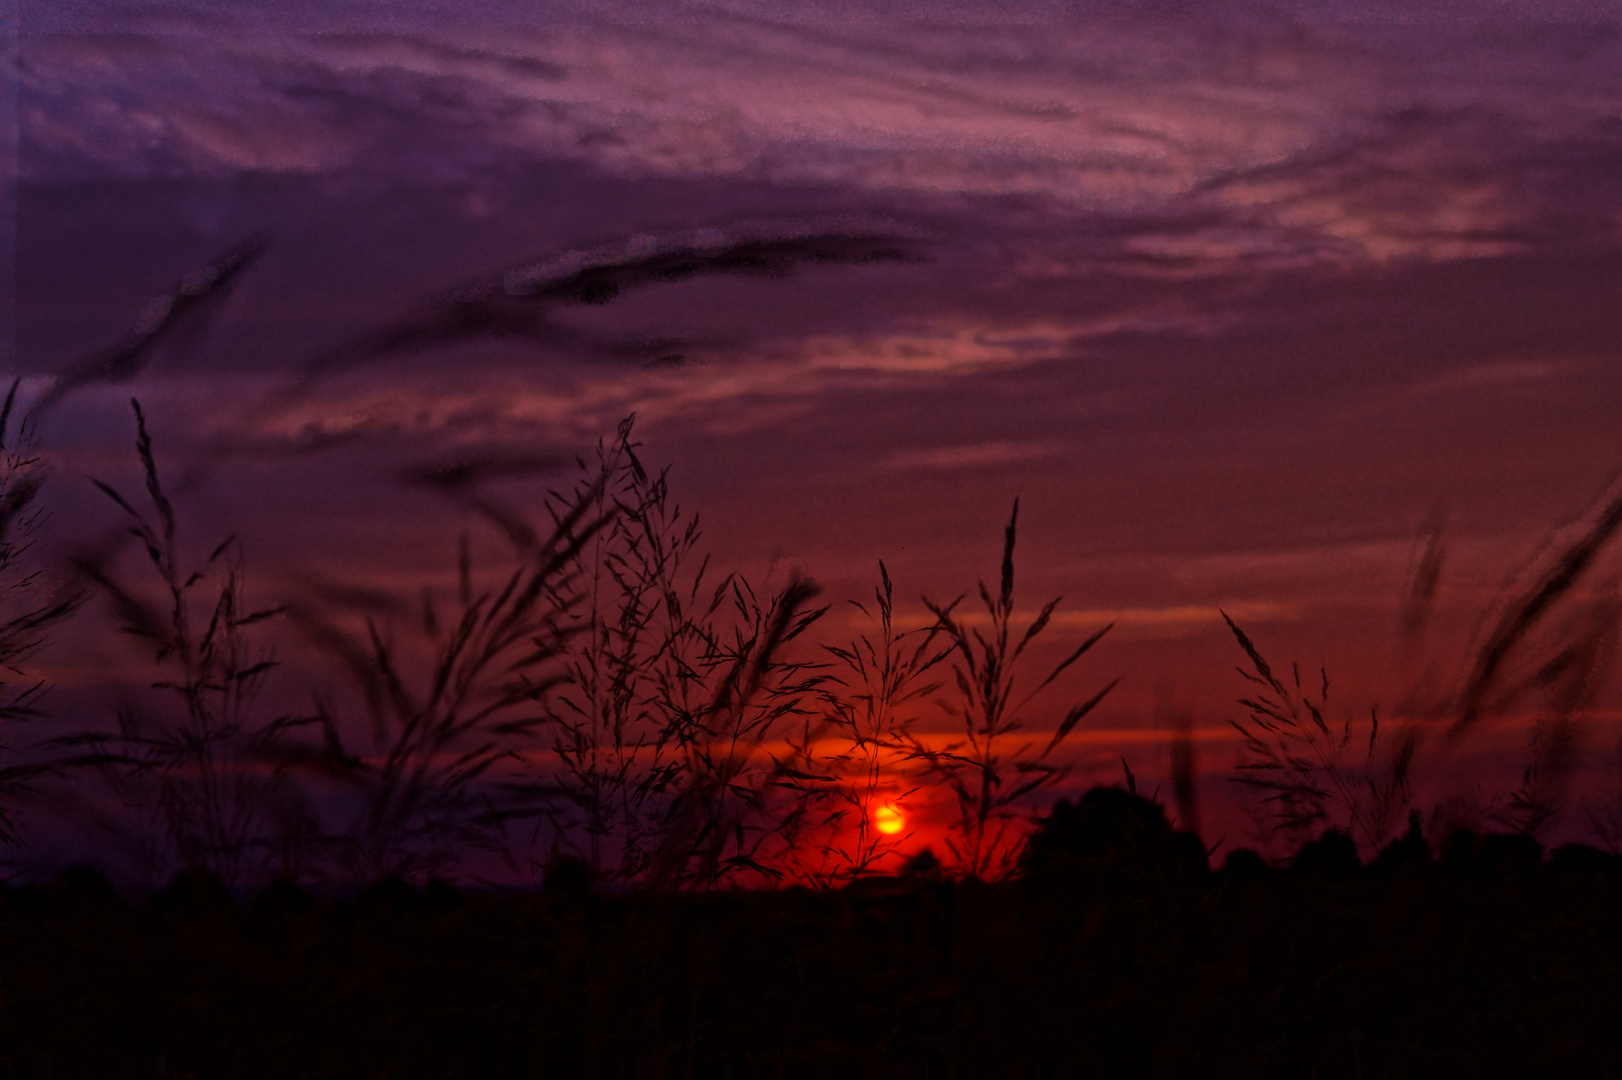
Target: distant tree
<point>1110,833</point>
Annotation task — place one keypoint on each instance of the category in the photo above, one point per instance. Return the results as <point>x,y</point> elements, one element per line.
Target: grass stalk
<point>25,617</point>
<point>991,783</point>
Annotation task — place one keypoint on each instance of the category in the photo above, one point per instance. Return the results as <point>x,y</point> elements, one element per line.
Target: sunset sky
<point>1235,298</point>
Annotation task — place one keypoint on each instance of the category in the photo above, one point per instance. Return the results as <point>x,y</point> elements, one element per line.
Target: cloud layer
<point>1260,140</point>
<point>1229,304</point>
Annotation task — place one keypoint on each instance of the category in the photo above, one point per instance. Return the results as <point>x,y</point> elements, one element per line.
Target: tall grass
<point>1292,757</point>
<point>206,779</point>
<point>25,615</point>
<point>603,696</point>
<point>671,730</point>
<point>610,702</point>
<point>1544,646</point>
<point>870,707</point>
<point>601,692</point>
<point>616,760</point>
<point>990,779</point>
<point>738,812</point>
<point>607,698</point>
<point>439,725</point>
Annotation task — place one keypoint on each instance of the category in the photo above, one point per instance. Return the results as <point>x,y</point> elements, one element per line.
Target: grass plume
<point>1543,641</point>
<point>25,615</point>
<point>208,770</point>
<point>991,783</point>
<point>870,705</point>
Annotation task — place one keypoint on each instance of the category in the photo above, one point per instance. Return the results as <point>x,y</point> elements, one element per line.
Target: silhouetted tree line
<point>1113,950</point>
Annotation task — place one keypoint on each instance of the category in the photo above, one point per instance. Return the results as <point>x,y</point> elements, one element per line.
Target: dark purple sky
<point>1231,303</point>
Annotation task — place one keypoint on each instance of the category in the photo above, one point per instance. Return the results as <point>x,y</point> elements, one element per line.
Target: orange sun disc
<point>887,819</point>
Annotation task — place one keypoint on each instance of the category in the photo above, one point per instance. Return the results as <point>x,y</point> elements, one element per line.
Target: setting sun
<point>888,819</point>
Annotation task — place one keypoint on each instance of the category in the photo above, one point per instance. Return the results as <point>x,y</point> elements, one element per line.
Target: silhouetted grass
<point>871,712</point>
<point>200,786</point>
<point>25,614</point>
<point>686,747</point>
<point>644,732</point>
<point>990,779</point>
<point>1112,950</point>
<point>439,727</point>
<point>674,692</point>
<point>621,709</point>
<point>1294,760</point>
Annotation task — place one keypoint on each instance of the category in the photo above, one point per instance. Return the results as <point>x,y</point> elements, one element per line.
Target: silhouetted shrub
<point>390,893</point>
<point>1410,851</point>
<point>194,891</point>
<point>1461,851</point>
<point>1243,864</point>
<point>1332,855</point>
<point>281,899</point>
<point>923,865</point>
<point>441,896</point>
<point>1493,854</point>
<point>1511,853</point>
<point>1186,855</point>
<point>83,885</point>
<point>1581,860</point>
<point>1110,833</point>
<point>567,876</point>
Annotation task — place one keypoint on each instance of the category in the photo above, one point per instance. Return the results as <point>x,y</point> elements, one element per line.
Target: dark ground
<point>1483,962</point>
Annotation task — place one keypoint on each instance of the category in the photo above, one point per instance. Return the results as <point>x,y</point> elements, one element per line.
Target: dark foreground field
<point>1483,962</point>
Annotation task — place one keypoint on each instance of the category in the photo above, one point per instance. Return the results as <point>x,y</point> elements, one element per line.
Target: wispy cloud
<point>1283,142</point>
<point>1172,617</point>
<point>970,455</point>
